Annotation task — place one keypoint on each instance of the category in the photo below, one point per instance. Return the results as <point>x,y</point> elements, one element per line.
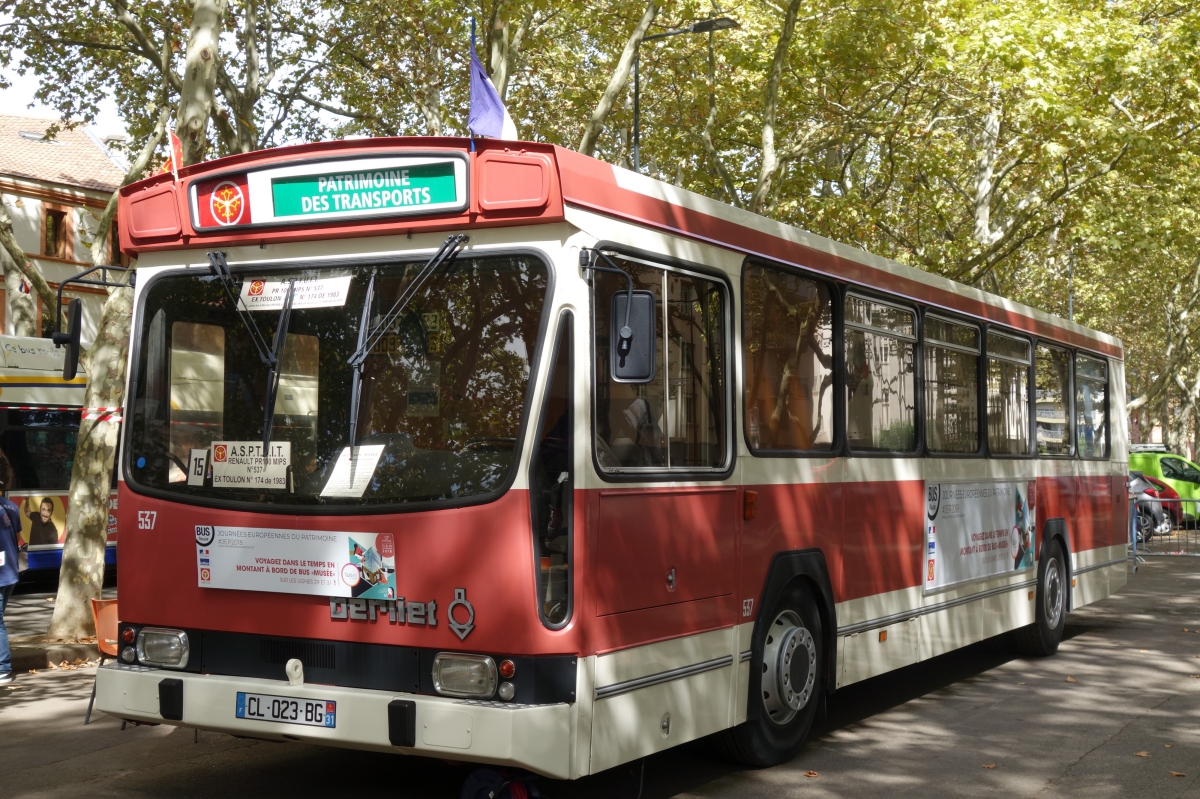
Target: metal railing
<point>1164,527</point>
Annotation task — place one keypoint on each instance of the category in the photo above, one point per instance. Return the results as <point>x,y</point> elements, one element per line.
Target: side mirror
<point>631,337</point>
<point>70,339</point>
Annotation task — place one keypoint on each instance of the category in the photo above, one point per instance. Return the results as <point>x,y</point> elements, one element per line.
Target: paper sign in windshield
<point>978,530</point>
<point>297,561</point>
<point>240,464</point>
<point>352,473</point>
<point>261,294</point>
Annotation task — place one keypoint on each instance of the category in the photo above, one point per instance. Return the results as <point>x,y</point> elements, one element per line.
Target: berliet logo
<point>402,611</point>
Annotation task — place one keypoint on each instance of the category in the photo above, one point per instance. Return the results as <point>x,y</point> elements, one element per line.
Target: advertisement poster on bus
<point>296,561</point>
<point>978,530</point>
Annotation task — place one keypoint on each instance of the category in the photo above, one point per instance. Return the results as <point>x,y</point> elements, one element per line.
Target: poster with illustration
<point>296,561</point>
<point>43,518</point>
<point>978,530</point>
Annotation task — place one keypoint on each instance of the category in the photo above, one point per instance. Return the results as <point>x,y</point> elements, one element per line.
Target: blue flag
<point>487,117</point>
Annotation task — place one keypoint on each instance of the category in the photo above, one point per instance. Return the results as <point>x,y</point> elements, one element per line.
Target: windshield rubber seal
<point>502,488</point>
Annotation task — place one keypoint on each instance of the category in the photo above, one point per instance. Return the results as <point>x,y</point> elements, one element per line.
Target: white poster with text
<point>297,561</point>
<point>240,464</point>
<point>978,530</point>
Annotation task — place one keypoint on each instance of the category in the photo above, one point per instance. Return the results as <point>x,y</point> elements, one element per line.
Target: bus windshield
<point>440,400</point>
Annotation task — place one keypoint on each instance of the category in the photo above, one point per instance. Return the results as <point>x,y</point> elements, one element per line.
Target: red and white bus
<point>510,455</point>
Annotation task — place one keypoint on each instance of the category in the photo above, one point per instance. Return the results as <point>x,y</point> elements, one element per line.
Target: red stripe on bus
<point>591,184</point>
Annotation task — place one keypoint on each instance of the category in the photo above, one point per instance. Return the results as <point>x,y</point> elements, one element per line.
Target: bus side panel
<point>1057,498</point>
<point>790,517</point>
<point>884,538</point>
<point>1092,524</point>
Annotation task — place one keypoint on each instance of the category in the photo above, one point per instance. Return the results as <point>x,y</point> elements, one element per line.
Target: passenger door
<point>666,522</point>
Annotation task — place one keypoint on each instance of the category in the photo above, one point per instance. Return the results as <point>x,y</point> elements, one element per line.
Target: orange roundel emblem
<point>220,453</point>
<point>227,203</point>
<point>256,288</point>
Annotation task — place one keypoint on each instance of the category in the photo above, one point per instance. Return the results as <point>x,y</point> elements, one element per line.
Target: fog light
<point>464,675</point>
<point>127,654</point>
<point>507,691</point>
<point>159,647</point>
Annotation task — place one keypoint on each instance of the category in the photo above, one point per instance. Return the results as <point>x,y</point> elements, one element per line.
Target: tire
<point>790,689</point>
<point>1043,636</point>
<point>1145,526</point>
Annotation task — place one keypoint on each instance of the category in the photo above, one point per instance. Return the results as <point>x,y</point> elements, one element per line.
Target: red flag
<point>176,154</point>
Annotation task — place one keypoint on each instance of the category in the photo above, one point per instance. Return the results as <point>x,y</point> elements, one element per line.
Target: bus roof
<point>285,194</point>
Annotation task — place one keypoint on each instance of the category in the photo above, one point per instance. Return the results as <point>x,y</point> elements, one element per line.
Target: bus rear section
<point>513,457</point>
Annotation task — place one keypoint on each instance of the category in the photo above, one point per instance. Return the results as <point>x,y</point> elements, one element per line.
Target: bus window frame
<point>837,447</point>
<point>643,474</point>
<point>915,309</point>
<point>1032,452</point>
<point>1070,391</point>
<point>980,381</point>
<point>1107,403</point>
<point>564,331</point>
<point>277,266</point>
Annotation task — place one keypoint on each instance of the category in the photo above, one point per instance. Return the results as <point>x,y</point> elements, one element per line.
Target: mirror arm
<point>585,263</point>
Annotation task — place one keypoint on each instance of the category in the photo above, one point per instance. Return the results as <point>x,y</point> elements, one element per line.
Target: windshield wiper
<point>449,249</point>
<point>364,329</point>
<point>221,269</point>
<point>274,370</point>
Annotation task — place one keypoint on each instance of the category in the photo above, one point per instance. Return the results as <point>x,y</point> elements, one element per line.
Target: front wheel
<point>1050,615</point>
<point>792,668</point>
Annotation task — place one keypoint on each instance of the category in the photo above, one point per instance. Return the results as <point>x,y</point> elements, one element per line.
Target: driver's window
<point>1170,468</point>
<point>679,419</point>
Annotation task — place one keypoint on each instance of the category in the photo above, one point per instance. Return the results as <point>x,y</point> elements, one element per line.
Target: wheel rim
<point>1053,593</point>
<point>789,667</point>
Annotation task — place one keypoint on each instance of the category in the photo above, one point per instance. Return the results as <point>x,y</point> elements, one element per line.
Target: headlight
<point>464,675</point>
<point>159,647</point>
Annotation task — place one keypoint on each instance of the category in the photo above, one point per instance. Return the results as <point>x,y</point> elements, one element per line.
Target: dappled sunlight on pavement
<point>1125,721</point>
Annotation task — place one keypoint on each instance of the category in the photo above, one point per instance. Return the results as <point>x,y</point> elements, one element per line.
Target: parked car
<point>1181,474</point>
<point>1152,518</point>
<point>1170,498</point>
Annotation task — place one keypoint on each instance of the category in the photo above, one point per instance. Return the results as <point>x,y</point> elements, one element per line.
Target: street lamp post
<point>703,26</point>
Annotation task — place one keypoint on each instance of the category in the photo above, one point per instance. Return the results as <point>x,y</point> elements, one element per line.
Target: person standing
<point>10,525</point>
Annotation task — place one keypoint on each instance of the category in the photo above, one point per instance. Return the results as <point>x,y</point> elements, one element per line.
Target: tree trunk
<point>620,76</point>
<point>82,573</point>
<point>26,267</point>
<point>20,305</point>
<point>199,77</point>
<point>769,168</point>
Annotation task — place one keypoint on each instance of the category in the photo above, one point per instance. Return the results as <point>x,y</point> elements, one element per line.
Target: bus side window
<point>951,386</point>
<point>880,391</point>
<point>551,487</point>
<point>788,349</point>
<point>197,405</point>
<point>1091,406</point>
<point>1007,395</point>
<point>1053,376</point>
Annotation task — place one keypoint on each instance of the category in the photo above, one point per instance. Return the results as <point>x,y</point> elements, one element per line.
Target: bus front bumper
<point>534,737</point>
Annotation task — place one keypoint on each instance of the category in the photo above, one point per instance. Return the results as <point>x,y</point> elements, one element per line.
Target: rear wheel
<point>1044,635</point>
<point>792,669</point>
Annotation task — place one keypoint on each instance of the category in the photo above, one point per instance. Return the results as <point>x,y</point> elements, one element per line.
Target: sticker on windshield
<point>352,473</point>
<point>260,294</point>
<point>197,466</point>
<point>334,564</point>
<point>240,464</point>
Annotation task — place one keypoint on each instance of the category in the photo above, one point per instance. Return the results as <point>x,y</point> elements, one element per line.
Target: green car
<point>1153,460</point>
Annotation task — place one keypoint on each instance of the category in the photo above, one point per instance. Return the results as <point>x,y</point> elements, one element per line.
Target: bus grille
<point>313,655</point>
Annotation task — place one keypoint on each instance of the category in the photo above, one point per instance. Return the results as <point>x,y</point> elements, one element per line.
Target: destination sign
<point>318,191</point>
<point>414,187</point>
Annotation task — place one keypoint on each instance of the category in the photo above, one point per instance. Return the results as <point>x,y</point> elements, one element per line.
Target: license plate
<point>286,709</point>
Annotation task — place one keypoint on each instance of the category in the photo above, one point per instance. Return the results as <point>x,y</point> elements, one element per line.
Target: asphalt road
<point>1129,718</point>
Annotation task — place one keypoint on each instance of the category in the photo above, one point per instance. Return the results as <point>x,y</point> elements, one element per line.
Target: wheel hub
<point>1053,605</point>
<point>789,667</point>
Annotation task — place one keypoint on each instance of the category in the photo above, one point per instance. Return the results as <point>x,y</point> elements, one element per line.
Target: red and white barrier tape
<point>102,414</point>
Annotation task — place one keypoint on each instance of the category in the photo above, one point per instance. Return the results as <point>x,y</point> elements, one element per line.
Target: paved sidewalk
<point>26,618</point>
<point>1127,721</point>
